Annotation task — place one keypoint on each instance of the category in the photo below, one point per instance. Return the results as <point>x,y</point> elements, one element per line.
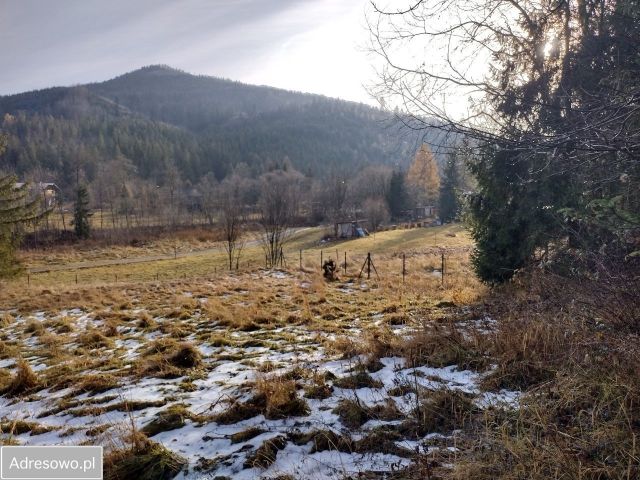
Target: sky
<point>312,46</point>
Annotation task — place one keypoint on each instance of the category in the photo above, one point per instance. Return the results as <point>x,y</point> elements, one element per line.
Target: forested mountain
<point>158,117</point>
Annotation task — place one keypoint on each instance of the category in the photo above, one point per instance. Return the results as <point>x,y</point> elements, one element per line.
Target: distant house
<point>192,199</point>
<point>420,213</point>
<point>49,192</point>
<point>351,229</point>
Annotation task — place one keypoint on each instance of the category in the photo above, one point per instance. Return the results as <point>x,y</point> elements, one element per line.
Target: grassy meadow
<point>256,373</point>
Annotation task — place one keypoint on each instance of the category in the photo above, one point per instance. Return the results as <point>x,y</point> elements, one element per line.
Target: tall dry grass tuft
<point>281,398</point>
<point>444,344</point>
<point>23,381</point>
<point>142,459</point>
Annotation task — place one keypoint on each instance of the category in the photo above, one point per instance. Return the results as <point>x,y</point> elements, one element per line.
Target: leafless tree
<point>172,185</point>
<point>276,208</point>
<point>371,182</point>
<point>232,218</point>
<point>208,187</point>
<point>376,212</point>
<point>458,64</point>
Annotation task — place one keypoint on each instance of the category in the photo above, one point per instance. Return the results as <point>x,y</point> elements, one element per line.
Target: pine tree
<point>397,196</point>
<point>81,213</point>
<point>423,176</point>
<point>449,205</point>
<point>16,210</point>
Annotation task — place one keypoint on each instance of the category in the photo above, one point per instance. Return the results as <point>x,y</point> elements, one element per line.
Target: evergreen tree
<point>397,196</point>
<point>16,210</point>
<point>81,213</point>
<point>423,176</point>
<point>449,205</point>
<point>510,215</point>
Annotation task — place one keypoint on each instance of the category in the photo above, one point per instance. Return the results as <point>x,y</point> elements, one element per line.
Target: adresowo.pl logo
<point>50,463</point>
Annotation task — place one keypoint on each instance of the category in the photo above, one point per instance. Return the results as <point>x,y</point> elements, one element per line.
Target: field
<point>254,372</point>
<point>206,373</point>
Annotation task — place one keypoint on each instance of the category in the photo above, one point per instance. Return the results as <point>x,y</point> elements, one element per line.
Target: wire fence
<point>403,266</point>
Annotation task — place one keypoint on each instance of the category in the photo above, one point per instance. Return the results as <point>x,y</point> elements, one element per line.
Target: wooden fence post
<point>403,267</point>
<point>345,262</point>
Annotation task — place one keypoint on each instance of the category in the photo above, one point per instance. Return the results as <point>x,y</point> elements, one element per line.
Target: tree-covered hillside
<point>158,117</point>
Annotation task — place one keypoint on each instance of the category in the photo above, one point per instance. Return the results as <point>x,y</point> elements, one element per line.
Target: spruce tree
<point>449,205</point>
<point>510,214</point>
<point>397,197</point>
<point>16,211</point>
<point>81,213</point>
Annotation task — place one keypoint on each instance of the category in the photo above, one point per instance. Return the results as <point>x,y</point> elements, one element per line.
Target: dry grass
<point>18,427</point>
<point>442,411</point>
<point>324,440</point>
<point>169,419</point>
<point>357,380</point>
<point>281,398</point>
<point>94,384</point>
<point>94,339</point>
<point>142,459</point>
<point>265,454</point>
<point>244,435</point>
<point>168,358</point>
<point>441,345</point>
<point>580,417</point>
<point>24,381</point>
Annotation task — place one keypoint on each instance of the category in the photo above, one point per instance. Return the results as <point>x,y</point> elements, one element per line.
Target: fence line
<point>305,262</point>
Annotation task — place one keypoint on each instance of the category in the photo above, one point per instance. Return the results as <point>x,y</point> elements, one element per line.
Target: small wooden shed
<point>351,229</point>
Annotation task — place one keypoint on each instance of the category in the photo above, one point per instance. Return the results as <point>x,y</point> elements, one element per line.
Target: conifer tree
<point>81,213</point>
<point>16,210</point>
<point>397,196</point>
<point>423,176</point>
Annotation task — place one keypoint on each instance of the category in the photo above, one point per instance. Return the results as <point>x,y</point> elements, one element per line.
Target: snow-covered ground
<point>226,376</point>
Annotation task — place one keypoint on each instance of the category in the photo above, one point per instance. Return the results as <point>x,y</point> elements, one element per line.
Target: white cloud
<point>305,45</point>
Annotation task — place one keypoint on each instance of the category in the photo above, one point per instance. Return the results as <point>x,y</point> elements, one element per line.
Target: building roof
<point>41,185</point>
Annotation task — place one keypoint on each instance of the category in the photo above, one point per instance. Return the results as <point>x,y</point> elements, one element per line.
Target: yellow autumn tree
<point>423,176</point>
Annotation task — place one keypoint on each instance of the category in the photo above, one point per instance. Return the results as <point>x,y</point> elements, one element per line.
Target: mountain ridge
<point>158,116</point>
